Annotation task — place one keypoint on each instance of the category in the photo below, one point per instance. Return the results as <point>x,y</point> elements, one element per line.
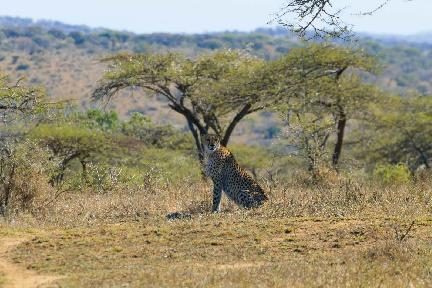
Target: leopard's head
<point>211,142</point>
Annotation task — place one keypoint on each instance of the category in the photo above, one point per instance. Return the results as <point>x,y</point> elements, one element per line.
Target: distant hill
<point>7,21</point>
<point>420,38</point>
<point>31,45</point>
<point>65,58</point>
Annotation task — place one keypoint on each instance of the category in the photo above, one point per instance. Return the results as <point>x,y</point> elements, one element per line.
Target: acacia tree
<point>17,103</point>
<point>400,131</point>
<point>329,93</point>
<point>213,92</point>
<point>69,142</point>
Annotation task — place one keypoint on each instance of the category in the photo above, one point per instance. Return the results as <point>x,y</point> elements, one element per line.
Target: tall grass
<point>343,197</point>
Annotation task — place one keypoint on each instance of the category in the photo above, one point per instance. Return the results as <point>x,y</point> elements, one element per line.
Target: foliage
<point>20,170</point>
<point>18,102</point>
<point>96,150</point>
<point>325,92</point>
<point>137,126</point>
<point>107,121</point>
<point>213,91</point>
<point>392,174</point>
<point>400,131</point>
<point>25,171</point>
<point>142,128</point>
<point>68,143</point>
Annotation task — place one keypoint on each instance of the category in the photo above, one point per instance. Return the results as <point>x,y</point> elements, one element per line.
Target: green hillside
<point>65,59</point>
<point>52,53</point>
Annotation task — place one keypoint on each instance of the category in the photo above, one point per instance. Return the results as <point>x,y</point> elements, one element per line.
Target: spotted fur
<point>221,166</point>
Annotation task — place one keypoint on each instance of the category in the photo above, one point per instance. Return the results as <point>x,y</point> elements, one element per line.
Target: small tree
<point>70,142</point>
<point>17,104</point>
<point>161,136</point>
<point>213,92</point>
<point>400,131</point>
<point>328,93</point>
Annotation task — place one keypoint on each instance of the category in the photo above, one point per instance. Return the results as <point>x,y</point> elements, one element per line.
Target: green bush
<point>70,143</point>
<point>107,121</point>
<point>392,174</point>
<point>168,166</point>
<point>104,160</point>
<point>21,67</point>
<point>141,127</point>
<point>25,170</point>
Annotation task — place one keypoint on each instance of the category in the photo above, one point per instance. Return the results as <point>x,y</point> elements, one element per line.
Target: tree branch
<point>242,113</point>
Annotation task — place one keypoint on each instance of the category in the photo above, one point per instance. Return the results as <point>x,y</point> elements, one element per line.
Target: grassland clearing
<point>305,237</point>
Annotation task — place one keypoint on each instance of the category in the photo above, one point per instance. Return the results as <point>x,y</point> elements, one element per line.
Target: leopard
<point>227,176</point>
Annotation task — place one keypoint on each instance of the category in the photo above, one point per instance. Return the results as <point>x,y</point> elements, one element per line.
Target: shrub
<point>69,143</point>
<point>141,127</point>
<point>388,173</point>
<point>21,67</point>
<point>78,37</point>
<point>107,121</point>
<point>25,172</point>
<point>104,178</point>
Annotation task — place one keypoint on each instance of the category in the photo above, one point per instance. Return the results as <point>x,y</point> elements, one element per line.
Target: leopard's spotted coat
<point>228,176</point>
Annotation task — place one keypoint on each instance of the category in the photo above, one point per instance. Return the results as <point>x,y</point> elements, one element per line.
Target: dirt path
<point>17,276</point>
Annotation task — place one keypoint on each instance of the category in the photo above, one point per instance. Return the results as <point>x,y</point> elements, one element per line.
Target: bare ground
<point>17,276</point>
<point>234,250</point>
<point>335,236</point>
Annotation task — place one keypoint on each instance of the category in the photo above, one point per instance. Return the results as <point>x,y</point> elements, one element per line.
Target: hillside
<point>66,59</point>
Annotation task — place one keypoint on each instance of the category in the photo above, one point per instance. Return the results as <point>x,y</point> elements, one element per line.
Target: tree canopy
<point>400,131</point>
<point>213,91</point>
<point>328,92</point>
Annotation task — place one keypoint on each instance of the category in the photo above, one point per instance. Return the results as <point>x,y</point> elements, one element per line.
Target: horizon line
<point>273,27</point>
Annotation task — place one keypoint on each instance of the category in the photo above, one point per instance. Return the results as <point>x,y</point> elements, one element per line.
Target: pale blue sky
<point>195,16</point>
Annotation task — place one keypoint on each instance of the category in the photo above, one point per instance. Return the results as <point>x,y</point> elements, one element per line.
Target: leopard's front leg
<point>217,194</point>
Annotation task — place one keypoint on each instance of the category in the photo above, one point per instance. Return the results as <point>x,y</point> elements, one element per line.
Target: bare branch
<point>370,12</point>
<point>313,19</point>
<point>320,19</point>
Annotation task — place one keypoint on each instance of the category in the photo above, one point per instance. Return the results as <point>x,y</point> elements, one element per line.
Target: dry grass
<point>2,279</point>
<point>342,198</point>
<point>341,234</point>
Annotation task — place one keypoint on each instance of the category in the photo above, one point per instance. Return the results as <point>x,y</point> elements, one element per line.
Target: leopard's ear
<point>217,138</point>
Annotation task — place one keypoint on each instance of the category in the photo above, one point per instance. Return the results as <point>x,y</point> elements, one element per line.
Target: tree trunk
<point>339,137</point>
<point>197,137</point>
<point>242,113</point>
<point>195,127</point>
<point>8,189</point>
<point>342,119</point>
<point>57,179</point>
<point>84,169</point>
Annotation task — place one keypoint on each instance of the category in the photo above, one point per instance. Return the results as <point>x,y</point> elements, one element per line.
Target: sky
<point>401,17</point>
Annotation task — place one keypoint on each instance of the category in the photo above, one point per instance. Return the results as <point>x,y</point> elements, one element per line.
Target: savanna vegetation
<point>346,164</point>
